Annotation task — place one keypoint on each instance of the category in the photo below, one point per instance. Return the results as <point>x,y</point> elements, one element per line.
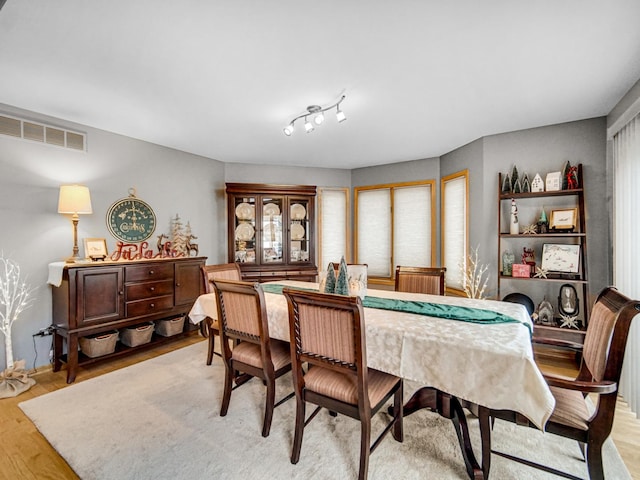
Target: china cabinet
<point>552,237</point>
<point>271,231</point>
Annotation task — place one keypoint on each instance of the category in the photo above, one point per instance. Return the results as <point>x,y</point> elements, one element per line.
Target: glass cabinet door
<point>245,229</point>
<point>299,232</point>
<point>272,214</point>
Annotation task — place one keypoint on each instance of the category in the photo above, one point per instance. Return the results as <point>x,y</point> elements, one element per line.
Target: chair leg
<point>226,397</point>
<point>398,429</point>
<point>486,425</point>
<point>211,347</point>
<point>594,461</point>
<point>365,446</point>
<point>297,438</point>
<point>268,407</point>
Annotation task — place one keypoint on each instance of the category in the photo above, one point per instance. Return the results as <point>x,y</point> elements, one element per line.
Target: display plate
<point>298,212</point>
<point>297,231</point>
<point>244,232</point>
<point>245,211</point>
<point>271,209</point>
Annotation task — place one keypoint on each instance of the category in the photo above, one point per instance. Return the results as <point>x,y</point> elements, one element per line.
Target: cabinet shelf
<point>542,235</point>
<point>536,279</point>
<point>556,193</point>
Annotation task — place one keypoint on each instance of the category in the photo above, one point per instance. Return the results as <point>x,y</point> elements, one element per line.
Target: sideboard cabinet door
<point>100,295</point>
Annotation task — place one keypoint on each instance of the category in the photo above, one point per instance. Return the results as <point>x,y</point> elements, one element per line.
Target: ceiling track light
<point>316,112</point>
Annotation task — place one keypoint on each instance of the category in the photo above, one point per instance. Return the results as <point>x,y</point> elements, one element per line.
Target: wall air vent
<point>38,132</point>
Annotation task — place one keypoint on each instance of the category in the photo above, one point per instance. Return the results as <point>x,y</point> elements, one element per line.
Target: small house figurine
<point>545,313</point>
<point>537,185</point>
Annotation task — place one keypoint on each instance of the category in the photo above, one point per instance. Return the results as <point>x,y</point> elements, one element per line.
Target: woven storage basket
<point>137,334</point>
<point>170,326</point>
<point>98,345</point>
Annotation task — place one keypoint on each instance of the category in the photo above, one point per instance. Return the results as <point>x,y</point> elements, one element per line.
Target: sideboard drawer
<point>149,306</point>
<point>154,271</point>
<point>139,291</point>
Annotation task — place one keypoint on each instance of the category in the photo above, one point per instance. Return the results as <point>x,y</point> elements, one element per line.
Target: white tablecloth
<point>487,364</point>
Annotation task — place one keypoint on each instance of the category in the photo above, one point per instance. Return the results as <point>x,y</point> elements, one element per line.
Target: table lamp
<point>75,200</point>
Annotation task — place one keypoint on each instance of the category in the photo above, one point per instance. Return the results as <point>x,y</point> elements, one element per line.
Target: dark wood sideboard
<point>101,297</point>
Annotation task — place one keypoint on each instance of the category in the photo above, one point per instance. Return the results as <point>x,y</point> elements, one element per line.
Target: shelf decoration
<point>506,184</point>
<point>515,178</point>
<point>526,185</point>
<point>541,272</point>
<point>507,263</point>
<point>545,313</point>
<point>553,182</point>
<point>537,185</point>
<point>561,258</point>
<point>521,270</point>
<point>543,223</point>
<point>514,227</point>
<point>530,229</point>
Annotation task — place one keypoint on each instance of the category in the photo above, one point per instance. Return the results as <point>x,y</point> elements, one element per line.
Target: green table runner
<point>451,312</point>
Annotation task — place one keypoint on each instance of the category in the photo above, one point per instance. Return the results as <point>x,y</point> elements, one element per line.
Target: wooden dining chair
<point>599,375</point>
<point>420,279</point>
<point>243,319</point>
<point>209,327</point>
<point>327,332</point>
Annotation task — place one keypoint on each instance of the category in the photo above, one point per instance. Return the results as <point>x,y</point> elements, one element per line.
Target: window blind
<point>412,226</point>
<point>454,226</point>
<point>374,231</point>
<point>333,225</point>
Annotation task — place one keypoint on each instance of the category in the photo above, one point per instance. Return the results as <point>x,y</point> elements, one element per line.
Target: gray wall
<point>34,234</point>
<point>542,150</point>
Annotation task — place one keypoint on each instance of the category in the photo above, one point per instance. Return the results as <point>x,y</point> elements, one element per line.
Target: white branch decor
<point>15,297</point>
<point>474,281</point>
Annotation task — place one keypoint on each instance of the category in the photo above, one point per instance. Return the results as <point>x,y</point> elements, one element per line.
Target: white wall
<point>34,234</point>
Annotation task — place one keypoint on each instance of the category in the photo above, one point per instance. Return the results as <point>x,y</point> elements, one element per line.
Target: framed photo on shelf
<point>561,258</point>
<point>564,219</point>
<point>95,248</point>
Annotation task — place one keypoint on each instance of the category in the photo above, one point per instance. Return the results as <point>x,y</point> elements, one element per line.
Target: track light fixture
<point>316,112</point>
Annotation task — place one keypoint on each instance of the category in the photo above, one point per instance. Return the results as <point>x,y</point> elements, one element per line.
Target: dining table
<point>482,357</point>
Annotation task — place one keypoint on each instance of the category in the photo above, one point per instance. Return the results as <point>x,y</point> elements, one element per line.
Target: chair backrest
<point>224,271</point>
<point>420,279</point>
<point>327,330</point>
<point>242,313</point>
<point>606,338</point>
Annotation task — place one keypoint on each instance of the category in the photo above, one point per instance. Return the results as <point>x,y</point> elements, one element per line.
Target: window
<point>454,227</point>
<point>395,226</point>
<point>333,225</point>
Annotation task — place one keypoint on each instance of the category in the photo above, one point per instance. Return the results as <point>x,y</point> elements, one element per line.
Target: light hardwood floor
<point>25,454</point>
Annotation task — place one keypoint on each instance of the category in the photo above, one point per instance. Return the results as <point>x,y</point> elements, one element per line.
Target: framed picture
<point>95,248</point>
<point>564,219</point>
<point>561,258</point>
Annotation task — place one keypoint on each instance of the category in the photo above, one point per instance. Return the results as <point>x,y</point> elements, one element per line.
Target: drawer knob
<point>151,272</point>
<point>153,305</point>
<point>152,289</point>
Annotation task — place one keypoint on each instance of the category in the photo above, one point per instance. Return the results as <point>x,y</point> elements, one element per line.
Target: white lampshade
<point>308,126</point>
<point>74,199</point>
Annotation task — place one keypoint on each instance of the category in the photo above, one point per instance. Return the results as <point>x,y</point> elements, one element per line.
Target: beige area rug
<point>160,419</point>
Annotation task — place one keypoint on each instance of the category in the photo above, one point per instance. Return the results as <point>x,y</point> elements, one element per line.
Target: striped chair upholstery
<point>420,279</point>
<point>243,319</point>
<point>210,327</point>
<point>599,374</point>
<point>327,333</point>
